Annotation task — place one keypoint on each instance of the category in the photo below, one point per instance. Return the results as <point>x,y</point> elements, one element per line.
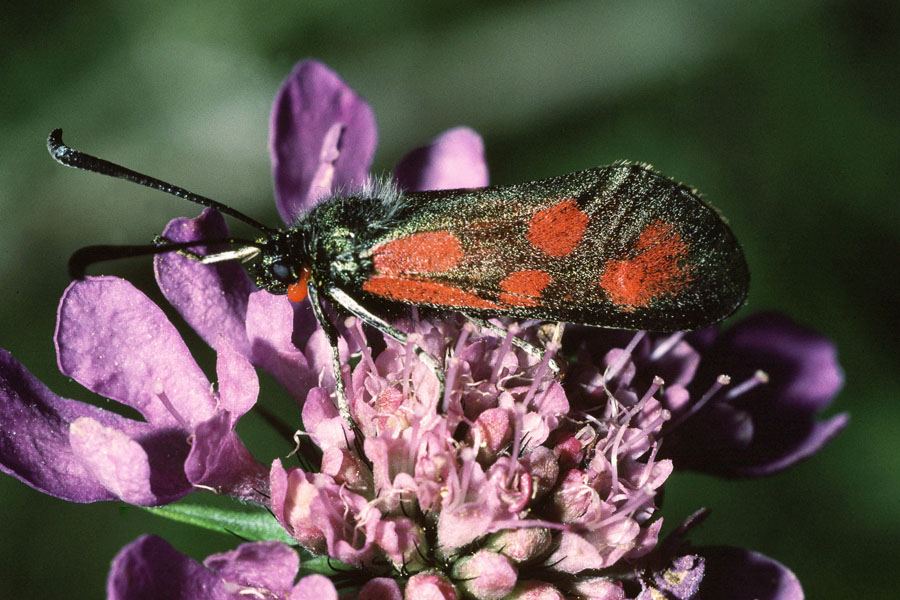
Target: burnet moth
<point>619,246</point>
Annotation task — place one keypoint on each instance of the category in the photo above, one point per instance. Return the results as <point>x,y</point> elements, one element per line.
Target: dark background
<point>785,115</point>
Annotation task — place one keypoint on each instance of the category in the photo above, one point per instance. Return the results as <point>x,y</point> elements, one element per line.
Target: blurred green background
<point>784,114</point>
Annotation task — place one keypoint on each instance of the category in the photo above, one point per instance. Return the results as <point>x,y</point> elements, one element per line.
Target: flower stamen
<point>721,381</point>
<point>665,346</point>
<point>759,377</point>
<point>160,392</point>
<point>511,332</point>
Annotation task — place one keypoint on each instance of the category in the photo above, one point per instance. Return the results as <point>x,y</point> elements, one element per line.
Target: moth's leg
<point>528,347</point>
<point>367,317</point>
<point>331,334</point>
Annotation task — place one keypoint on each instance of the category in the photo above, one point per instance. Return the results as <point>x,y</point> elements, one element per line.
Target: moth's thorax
<point>335,256</point>
<point>330,240</point>
<point>338,234</point>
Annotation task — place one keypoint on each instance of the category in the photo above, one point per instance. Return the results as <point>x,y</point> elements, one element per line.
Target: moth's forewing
<point>617,246</point>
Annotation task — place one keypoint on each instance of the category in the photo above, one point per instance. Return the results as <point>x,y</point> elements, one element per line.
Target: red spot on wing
<point>424,292</point>
<point>660,267</point>
<point>558,230</point>
<point>523,288</point>
<point>426,252</point>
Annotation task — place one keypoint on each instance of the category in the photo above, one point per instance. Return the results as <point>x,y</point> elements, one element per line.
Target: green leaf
<point>247,521</point>
<point>323,566</point>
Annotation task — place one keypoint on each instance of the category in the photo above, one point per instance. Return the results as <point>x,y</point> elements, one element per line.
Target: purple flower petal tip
<point>116,461</point>
<point>34,439</point>
<point>82,453</point>
<point>380,588</point>
<point>321,137</point>
<point>801,364</point>
<point>116,342</point>
<point>269,566</point>
<point>270,320</point>
<point>111,338</point>
<point>218,460</point>
<point>740,574</point>
<point>455,159</point>
<point>151,568</point>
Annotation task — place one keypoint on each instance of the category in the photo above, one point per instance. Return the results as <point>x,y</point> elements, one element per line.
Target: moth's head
<point>280,267</point>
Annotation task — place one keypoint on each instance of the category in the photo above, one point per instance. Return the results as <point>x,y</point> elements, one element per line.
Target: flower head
<point>457,488</point>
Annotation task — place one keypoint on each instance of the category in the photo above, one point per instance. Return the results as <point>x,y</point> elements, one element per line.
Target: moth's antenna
<point>84,257</point>
<point>79,160</point>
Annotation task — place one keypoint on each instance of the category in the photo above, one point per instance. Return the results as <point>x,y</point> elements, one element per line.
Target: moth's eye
<point>282,272</point>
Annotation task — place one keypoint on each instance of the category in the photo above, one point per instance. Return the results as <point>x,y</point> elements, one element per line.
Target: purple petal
<point>238,383</point>
<point>802,365</point>
<point>150,568</point>
<point>321,138</point>
<point>739,574</point>
<point>305,323</point>
<point>34,439</point>
<point>269,566</point>
<point>278,489</point>
<point>677,366</point>
<point>463,525</point>
<point>116,342</point>
<point>314,587</point>
<point>430,586</point>
<point>291,493</point>
<point>269,323</point>
<point>145,469</point>
<point>348,521</point>
<point>114,459</point>
<point>219,460</point>
<point>595,588</point>
<point>323,423</point>
<point>769,427</point>
<point>455,159</point>
<point>485,574</point>
<point>819,435</point>
<point>318,355</point>
<point>211,298</point>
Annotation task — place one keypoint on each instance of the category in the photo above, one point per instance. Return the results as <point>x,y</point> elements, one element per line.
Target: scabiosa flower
<point>496,485</point>
<point>500,483</point>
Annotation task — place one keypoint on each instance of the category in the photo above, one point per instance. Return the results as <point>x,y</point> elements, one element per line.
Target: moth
<point>619,246</point>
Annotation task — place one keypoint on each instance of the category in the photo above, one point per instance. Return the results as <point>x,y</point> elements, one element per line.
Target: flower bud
<point>535,590</point>
<point>429,586</point>
<point>520,545</point>
<point>486,575</point>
